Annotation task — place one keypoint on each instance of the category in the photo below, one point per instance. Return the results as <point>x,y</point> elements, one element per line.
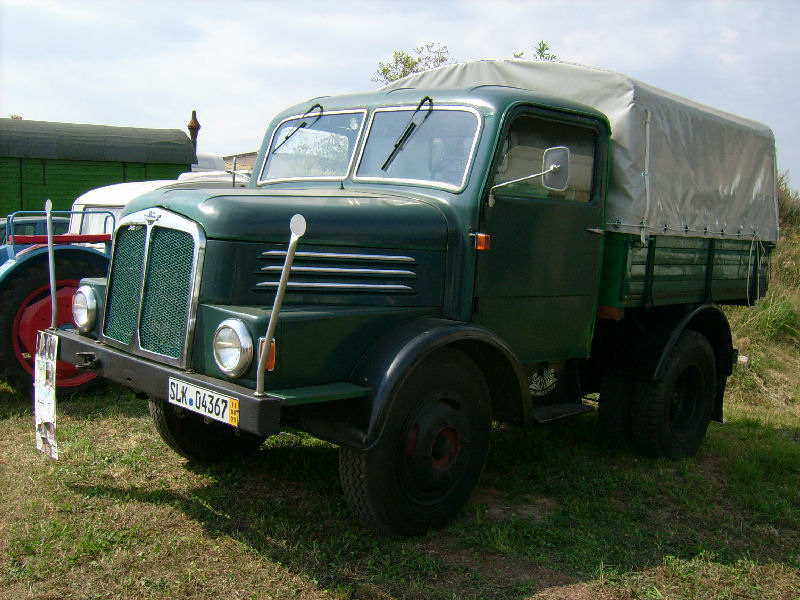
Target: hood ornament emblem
<point>151,217</point>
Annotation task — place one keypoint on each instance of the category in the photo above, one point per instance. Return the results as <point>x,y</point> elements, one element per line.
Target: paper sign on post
<point>45,393</point>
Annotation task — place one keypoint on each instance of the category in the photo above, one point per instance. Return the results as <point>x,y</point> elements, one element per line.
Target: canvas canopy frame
<point>678,168</point>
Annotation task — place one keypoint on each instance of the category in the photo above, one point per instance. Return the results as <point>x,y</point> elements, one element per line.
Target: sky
<point>148,63</point>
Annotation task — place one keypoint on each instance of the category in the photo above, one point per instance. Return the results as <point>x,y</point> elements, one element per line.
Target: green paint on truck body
<point>552,261</point>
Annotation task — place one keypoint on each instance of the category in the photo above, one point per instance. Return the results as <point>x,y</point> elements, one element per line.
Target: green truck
<point>489,241</point>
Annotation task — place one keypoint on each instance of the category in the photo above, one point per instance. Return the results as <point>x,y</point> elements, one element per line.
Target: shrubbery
<point>777,315</point>
<point>788,205</point>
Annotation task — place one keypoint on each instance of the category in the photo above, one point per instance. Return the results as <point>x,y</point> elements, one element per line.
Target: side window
<point>523,150</point>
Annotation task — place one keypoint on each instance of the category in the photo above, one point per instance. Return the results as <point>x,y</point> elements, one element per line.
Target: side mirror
<point>555,168</point>
<point>555,171</point>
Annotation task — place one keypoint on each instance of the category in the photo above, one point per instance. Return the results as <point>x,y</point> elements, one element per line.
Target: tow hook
<point>89,361</point>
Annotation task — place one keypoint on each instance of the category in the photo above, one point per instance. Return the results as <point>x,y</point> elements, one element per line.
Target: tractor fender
<point>37,255</point>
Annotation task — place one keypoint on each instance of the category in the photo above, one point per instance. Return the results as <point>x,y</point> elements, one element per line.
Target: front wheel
<point>192,437</point>
<point>670,416</point>
<point>434,444</point>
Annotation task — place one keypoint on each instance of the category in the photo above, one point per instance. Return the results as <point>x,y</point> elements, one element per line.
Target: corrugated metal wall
<point>25,183</point>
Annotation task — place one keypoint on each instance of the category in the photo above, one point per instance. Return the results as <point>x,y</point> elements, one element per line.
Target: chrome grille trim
<point>338,256</point>
<point>348,272</point>
<point>150,219</point>
<point>338,287</point>
<point>342,271</point>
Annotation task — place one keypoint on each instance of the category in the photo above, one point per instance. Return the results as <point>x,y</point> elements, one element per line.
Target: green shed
<point>60,161</point>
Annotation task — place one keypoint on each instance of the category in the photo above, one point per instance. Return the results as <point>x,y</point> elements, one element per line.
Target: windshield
<point>439,151</point>
<point>96,219</point>
<point>316,145</point>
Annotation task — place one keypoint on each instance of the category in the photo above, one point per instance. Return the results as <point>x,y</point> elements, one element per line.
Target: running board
<point>551,412</point>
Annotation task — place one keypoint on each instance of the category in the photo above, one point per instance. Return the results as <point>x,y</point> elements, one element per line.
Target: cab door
<point>536,286</point>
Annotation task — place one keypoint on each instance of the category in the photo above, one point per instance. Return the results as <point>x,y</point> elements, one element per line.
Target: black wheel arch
<point>385,366</point>
<point>710,321</point>
<point>640,344</point>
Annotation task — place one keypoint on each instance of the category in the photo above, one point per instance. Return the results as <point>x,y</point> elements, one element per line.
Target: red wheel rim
<point>433,452</point>
<point>445,448</point>
<point>33,315</point>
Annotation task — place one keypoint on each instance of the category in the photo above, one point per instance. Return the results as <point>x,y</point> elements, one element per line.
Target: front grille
<point>124,284</point>
<point>165,301</point>
<point>150,285</point>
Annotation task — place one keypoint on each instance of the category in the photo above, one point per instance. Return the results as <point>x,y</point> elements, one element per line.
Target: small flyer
<point>45,393</point>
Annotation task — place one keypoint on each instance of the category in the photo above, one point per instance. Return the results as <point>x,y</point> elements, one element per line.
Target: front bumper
<point>257,414</point>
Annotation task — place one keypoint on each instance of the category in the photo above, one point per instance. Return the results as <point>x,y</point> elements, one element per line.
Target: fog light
<point>84,308</point>
<point>233,347</point>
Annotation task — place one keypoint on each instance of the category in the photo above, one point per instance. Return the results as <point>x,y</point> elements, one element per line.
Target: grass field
<point>555,515</point>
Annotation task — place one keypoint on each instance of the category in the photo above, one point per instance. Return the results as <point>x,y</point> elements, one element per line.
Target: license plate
<point>203,401</point>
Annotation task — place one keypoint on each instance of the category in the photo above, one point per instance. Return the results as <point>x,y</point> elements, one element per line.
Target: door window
<point>523,150</point>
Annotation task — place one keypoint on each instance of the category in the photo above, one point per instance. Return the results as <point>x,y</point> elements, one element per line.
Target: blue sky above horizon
<point>149,63</point>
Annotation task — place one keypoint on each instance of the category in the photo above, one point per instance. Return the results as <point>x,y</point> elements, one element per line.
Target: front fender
<point>386,365</point>
<point>36,255</point>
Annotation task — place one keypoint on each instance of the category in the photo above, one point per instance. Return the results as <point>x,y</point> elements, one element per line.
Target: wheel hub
<point>446,447</point>
<point>436,443</point>
<point>684,399</point>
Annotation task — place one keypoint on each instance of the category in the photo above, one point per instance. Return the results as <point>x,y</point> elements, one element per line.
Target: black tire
<point>432,451</point>
<point>190,436</point>
<point>614,410</point>
<point>25,301</point>
<point>670,416</point>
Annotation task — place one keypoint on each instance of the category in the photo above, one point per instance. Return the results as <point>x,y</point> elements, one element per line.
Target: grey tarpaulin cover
<point>710,173</point>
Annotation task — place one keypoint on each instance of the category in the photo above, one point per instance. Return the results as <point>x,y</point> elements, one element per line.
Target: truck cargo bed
<point>675,270</point>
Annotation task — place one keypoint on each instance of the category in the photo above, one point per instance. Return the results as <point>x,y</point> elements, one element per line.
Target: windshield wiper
<point>300,126</point>
<point>410,128</point>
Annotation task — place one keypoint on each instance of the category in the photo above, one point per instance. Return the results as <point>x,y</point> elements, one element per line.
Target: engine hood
<point>334,217</point>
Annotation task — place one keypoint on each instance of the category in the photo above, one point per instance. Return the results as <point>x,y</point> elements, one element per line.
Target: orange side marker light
<point>483,241</point>
<point>270,366</point>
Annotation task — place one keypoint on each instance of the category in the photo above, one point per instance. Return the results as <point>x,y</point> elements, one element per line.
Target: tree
<point>427,56</point>
<point>542,52</point>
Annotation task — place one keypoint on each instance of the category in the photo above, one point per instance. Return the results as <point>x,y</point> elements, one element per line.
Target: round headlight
<point>84,308</point>
<point>233,347</point>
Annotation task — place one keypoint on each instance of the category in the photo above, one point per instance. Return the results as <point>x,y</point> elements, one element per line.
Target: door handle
<point>597,230</point>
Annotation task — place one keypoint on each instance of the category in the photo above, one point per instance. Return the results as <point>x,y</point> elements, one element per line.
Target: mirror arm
<point>552,169</point>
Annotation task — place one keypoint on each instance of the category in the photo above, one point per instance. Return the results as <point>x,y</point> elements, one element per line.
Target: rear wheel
<point>27,309</point>
<point>424,466</point>
<point>671,415</point>
<point>192,437</point>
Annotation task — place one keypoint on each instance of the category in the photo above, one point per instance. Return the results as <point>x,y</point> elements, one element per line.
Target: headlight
<point>84,308</point>
<point>233,347</point>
